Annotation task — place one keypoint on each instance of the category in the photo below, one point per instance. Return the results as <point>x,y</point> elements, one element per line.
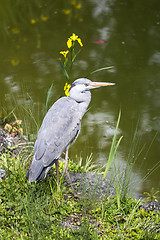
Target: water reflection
<point>32,37</point>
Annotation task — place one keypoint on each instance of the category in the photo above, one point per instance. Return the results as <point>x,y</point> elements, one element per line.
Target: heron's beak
<point>93,85</point>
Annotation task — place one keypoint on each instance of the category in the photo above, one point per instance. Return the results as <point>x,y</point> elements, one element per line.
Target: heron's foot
<point>74,192</point>
<point>71,183</point>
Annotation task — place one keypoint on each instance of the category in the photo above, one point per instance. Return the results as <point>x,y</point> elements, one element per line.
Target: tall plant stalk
<point>114,148</point>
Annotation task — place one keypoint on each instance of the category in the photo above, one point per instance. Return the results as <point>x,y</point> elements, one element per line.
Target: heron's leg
<point>66,162</point>
<point>70,181</point>
<point>57,173</point>
<point>67,173</point>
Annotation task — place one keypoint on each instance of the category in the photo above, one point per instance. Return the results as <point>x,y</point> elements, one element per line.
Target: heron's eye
<point>86,84</point>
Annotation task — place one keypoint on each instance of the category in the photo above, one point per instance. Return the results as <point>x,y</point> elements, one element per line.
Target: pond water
<point>123,34</point>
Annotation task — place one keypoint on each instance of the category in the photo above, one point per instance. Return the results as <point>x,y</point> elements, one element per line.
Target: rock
<point>10,144</point>
<point>91,184</point>
<point>7,142</point>
<point>155,205</point>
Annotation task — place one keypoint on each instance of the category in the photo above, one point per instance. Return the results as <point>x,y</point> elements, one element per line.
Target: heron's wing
<point>58,130</point>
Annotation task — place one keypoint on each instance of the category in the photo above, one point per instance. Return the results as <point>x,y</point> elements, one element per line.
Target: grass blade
<point>49,98</point>
<point>99,70</point>
<point>114,147</point>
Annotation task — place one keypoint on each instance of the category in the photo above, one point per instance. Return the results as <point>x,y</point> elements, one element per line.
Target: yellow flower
<point>73,2</point>
<point>33,21</point>
<point>15,62</point>
<point>78,6</point>
<point>69,43</point>
<point>44,18</point>
<point>20,131</point>
<point>74,37</point>
<point>80,42</point>
<point>66,89</point>
<point>17,122</point>
<point>8,127</point>
<point>64,53</point>
<point>66,11</point>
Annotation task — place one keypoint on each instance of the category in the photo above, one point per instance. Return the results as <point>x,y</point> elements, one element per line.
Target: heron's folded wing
<point>58,130</point>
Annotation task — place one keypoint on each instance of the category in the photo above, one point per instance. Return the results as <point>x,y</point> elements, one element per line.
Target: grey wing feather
<point>59,129</point>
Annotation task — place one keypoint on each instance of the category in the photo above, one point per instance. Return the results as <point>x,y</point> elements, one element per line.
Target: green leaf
<point>75,55</point>
<point>99,70</point>
<point>64,70</point>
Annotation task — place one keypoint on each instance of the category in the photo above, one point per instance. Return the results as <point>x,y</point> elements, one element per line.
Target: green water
<point>33,34</point>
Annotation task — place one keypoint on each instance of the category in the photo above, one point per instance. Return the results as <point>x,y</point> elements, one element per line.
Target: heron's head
<point>79,89</point>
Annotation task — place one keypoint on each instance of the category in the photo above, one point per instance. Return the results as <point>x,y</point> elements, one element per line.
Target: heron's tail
<point>38,171</point>
<point>35,170</point>
<point>31,178</point>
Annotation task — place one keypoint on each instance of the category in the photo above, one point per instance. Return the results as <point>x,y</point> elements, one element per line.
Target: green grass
<point>38,211</point>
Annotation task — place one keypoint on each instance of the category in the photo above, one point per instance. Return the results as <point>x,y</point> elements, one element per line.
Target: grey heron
<point>60,128</point>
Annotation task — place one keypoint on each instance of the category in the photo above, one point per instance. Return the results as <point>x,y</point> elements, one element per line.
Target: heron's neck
<point>83,107</point>
<point>83,101</point>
